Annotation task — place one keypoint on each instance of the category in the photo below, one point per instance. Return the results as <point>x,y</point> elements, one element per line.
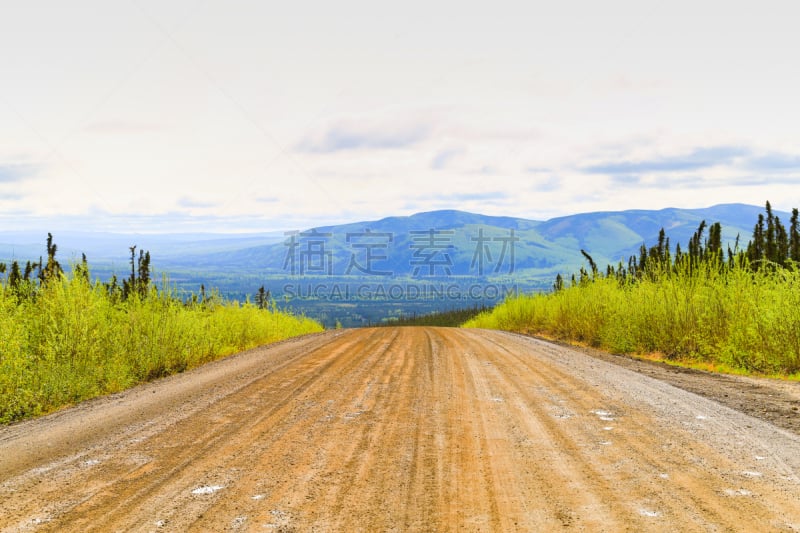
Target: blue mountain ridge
<point>330,263</point>
<point>543,247</point>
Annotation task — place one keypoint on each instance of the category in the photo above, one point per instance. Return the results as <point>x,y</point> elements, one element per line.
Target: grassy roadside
<point>69,340</point>
<point>702,308</point>
<point>660,358</point>
<point>739,321</point>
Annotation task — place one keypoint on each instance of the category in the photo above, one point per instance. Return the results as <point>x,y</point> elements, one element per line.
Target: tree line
<point>37,274</point>
<point>24,281</point>
<point>773,245</point>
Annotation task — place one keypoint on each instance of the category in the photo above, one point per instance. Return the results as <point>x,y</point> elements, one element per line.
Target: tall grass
<point>742,318</point>
<point>68,340</point>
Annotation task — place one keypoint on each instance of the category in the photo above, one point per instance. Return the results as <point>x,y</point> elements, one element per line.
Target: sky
<point>253,116</point>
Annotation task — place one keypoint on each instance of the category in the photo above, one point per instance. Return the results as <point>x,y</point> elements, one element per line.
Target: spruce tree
<point>756,248</point>
<point>770,249</point>
<point>15,276</point>
<point>82,269</point>
<point>129,285</point>
<point>262,298</point>
<point>714,246</point>
<point>52,269</point>
<point>781,243</point>
<point>794,236</point>
<point>592,264</point>
<point>143,282</point>
<point>112,288</point>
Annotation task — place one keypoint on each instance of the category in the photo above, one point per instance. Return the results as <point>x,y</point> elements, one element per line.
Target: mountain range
<point>443,246</point>
<point>541,248</point>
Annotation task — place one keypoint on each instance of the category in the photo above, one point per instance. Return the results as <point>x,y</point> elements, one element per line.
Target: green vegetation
<point>64,339</point>
<point>737,309</point>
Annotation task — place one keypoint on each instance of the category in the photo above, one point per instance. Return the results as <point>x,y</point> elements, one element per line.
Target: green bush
<point>742,318</point>
<point>68,340</point>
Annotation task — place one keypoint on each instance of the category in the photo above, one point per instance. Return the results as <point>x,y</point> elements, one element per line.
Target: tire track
<point>399,429</point>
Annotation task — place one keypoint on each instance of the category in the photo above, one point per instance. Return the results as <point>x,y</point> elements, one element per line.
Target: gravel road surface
<point>402,429</point>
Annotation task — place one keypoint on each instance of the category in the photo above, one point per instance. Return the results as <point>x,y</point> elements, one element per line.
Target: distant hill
<point>447,247</point>
<point>542,248</point>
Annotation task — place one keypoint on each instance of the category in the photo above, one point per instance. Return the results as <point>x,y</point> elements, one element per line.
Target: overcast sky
<point>251,115</point>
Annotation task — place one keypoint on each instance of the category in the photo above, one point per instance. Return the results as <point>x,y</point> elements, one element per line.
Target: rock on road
<point>401,429</point>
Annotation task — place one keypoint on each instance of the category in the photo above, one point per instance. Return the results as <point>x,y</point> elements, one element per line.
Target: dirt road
<point>404,429</point>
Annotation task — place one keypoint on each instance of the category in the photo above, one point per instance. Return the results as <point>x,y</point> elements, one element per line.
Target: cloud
<point>342,137</point>
<point>192,203</point>
<point>441,159</point>
<point>167,222</point>
<point>697,159</point>
<point>474,196</point>
<point>549,184</point>
<point>775,162</point>
<point>626,179</point>
<point>267,199</point>
<point>15,173</point>
<point>538,170</point>
<point>693,181</point>
<point>751,181</point>
<point>10,196</point>
<point>487,170</point>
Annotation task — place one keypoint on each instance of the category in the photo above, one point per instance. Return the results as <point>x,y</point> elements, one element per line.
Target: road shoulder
<point>772,400</point>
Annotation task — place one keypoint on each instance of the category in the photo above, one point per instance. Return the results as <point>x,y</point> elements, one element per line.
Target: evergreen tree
<point>695,243</point>
<point>781,243</point>
<point>794,236</point>
<point>52,269</point>
<point>733,252</point>
<point>757,247</point>
<point>112,288</point>
<point>771,249</point>
<point>132,279</point>
<point>714,245</point>
<point>592,264</point>
<point>663,245</point>
<point>129,285</point>
<point>143,283</point>
<point>642,259</point>
<point>262,298</point>
<point>15,276</point>
<point>82,269</point>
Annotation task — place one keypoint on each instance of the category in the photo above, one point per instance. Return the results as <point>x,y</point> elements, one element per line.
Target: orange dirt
<point>401,429</point>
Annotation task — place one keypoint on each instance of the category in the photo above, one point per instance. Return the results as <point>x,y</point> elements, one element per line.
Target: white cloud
<point>11,173</point>
<point>360,136</point>
<point>360,111</point>
<point>443,157</point>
